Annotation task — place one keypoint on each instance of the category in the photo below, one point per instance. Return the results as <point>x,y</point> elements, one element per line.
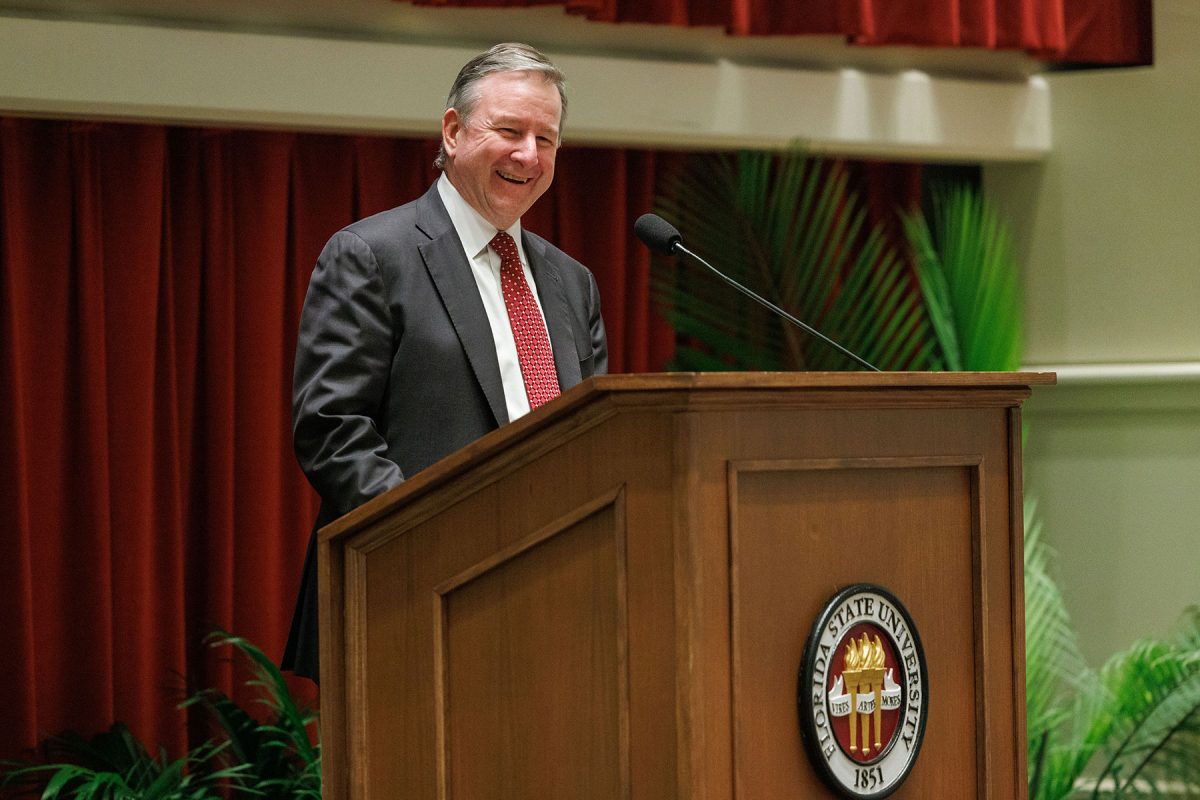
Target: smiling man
<point>431,324</point>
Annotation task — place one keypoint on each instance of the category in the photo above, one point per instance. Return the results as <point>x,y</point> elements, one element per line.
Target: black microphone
<point>663,238</point>
<point>656,233</point>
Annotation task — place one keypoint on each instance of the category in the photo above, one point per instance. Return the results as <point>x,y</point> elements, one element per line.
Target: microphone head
<point>657,234</point>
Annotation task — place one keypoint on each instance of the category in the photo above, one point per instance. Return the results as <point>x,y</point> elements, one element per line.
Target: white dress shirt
<point>475,233</point>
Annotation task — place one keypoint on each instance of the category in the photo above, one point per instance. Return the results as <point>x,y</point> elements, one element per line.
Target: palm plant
<point>968,278</point>
<point>1149,717</point>
<point>276,758</point>
<point>114,765</point>
<point>246,757</point>
<point>1132,728</point>
<point>790,228</point>
<point>1061,691</point>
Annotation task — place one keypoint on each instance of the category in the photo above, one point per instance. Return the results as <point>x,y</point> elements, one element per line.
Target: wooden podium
<point>610,597</point>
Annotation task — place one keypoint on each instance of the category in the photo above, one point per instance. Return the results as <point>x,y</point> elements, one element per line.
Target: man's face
<point>503,160</point>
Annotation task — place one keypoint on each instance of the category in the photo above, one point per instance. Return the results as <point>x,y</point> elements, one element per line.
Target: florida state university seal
<point>862,692</point>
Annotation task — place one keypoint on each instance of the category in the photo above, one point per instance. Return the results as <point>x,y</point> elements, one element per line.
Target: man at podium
<point>431,324</point>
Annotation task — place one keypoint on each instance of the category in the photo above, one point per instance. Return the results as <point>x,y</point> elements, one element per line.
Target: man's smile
<point>508,176</point>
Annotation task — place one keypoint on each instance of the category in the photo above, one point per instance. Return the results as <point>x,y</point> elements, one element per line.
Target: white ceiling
<point>547,27</point>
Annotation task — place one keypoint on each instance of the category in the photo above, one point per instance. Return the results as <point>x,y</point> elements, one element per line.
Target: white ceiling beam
<point>73,68</point>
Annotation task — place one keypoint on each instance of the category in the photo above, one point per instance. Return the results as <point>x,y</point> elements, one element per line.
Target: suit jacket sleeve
<point>596,326</point>
<point>343,354</point>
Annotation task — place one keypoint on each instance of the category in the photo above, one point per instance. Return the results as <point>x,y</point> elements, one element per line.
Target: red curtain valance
<point>1099,32</point>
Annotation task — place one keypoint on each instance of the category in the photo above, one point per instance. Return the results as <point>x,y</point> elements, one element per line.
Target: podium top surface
<point>696,390</point>
<point>659,381</point>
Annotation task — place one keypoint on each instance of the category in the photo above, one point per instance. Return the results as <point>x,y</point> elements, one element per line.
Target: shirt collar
<point>474,231</point>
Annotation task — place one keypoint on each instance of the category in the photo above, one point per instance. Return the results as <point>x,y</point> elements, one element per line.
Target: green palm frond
<point>1063,694</point>
<point>114,765</point>
<point>1131,730</point>
<point>274,758</point>
<point>278,754</point>
<point>790,228</point>
<point>294,722</point>
<point>968,274</point>
<point>1153,715</point>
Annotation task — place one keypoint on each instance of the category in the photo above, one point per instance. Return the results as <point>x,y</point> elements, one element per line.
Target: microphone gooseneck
<point>664,238</point>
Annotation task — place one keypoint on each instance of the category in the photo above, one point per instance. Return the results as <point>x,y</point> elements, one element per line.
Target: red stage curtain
<point>150,283</point>
<point>1068,31</point>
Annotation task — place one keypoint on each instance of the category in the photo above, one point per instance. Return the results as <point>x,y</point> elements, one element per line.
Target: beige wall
<point>1110,224</point>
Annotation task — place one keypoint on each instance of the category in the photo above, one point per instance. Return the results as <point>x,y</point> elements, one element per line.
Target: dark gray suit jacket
<point>396,366</point>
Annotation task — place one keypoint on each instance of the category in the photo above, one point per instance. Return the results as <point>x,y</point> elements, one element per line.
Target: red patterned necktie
<point>529,331</point>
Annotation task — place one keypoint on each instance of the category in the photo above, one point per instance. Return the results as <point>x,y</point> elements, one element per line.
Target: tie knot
<point>503,244</point>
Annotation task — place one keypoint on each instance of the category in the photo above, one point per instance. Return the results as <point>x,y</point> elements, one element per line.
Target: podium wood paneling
<point>610,597</point>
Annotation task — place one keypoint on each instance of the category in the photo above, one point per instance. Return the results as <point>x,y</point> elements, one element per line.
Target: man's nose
<point>525,151</point>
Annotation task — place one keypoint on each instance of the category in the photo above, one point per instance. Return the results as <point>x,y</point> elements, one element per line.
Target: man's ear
<point>451,129</point>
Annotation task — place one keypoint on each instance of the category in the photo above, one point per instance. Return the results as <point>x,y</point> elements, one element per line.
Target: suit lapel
<point>558,312</point>
<point>451,274</point>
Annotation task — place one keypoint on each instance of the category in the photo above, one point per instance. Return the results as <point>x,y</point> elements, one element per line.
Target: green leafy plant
<point>113,764</point>
<point>968,277</point>
<point>789,227</point>
<point>246,757</point>
<point>1131,729</point>
<point>276,758</point>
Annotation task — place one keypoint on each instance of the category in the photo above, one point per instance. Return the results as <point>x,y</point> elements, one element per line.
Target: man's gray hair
<point>505,57</point>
